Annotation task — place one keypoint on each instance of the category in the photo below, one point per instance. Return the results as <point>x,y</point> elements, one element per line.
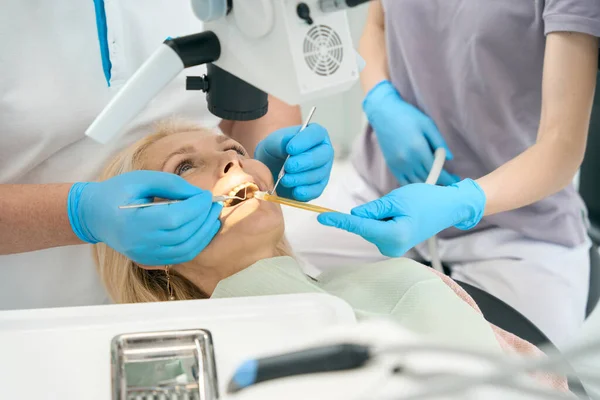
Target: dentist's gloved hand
<point>407,137</point>
<point>307,170</point>
<point>161,235</point>
<point>417,212</point>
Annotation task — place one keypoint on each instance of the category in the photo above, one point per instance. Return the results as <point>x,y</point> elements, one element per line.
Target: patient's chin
<point>256,234</point>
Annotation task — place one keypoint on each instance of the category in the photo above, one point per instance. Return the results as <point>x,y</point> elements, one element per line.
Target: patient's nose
<point>230,164</point>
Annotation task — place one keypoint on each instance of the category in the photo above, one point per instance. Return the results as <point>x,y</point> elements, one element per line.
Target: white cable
<point>539,393</point>
<point>554,363</point>
<point>434,174</point>
<point>371,387</point>
<point>507,369</point>
<point>436,169</point>
<point>522,387</point>
<point>436,262</point>
<point>503,362</point>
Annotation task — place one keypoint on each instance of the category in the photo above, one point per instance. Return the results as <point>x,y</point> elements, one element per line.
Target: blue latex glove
<point>407,137</point>
<point>161,235</point>
<point>307,170</point>
<point>418,212</point>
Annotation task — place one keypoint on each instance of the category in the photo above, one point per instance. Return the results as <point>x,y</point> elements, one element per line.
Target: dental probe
<point>215,199</point>
<point>282,171</point>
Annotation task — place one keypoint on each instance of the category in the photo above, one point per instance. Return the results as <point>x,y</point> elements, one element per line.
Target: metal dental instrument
<point>282,171</point>
<point>215,199</point>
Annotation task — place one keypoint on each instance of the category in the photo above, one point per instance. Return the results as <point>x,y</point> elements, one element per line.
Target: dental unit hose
<point>432,178</point>
<point>338,357</point>
<point>348,356</point>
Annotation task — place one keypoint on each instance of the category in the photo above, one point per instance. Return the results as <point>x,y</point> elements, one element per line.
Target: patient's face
<point>219,164</point>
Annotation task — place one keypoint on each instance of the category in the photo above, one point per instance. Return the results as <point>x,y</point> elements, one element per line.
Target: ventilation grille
<point>323,50</point>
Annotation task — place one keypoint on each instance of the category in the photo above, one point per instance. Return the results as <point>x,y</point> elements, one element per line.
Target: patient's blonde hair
<point>125,281</point>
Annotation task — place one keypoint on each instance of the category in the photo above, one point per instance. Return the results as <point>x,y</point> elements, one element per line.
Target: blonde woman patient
<point>250,230</point>
<point>249,255</point>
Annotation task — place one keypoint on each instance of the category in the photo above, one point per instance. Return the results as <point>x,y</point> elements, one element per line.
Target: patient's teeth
<point>248,193</point>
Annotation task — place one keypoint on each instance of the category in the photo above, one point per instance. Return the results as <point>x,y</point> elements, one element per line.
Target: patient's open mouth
<point>244,191</point>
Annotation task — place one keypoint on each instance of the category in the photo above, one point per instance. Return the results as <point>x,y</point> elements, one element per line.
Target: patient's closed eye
<point>238,149</point>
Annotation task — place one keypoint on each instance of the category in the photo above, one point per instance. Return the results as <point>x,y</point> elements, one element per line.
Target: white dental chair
<point>71,353</point>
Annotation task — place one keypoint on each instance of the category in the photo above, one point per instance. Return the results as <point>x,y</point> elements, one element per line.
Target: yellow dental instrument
<point>292,203</point>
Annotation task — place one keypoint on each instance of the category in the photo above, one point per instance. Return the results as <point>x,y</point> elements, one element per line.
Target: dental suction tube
<point>337,5</point>
<point>160,69</point>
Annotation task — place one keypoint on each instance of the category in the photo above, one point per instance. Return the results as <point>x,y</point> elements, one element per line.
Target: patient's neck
<point>207,277</point>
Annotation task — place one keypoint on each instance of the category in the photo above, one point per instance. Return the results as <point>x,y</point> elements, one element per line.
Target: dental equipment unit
<point>450,372</point>
<point>169,350</point>
<point>292,347</point>
<point>295,51</point>
<point>329,358</point>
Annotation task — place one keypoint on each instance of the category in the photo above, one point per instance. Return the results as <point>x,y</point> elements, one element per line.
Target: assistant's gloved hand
<point>160,235</point>
<point>418,212</point>
<point>407,137</point>
<point>307,170</point>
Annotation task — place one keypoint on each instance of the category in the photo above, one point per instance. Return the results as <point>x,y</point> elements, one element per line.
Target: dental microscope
<point>296,51</point>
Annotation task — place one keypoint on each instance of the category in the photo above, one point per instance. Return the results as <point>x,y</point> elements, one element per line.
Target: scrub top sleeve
<point>581,16</point>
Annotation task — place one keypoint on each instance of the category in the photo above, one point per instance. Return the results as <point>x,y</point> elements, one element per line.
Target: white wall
<point>342,114</point>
